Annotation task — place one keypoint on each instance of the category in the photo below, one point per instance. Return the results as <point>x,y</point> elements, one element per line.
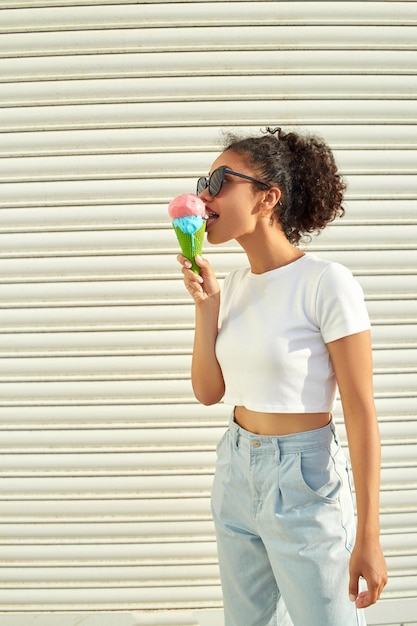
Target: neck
<point>270,252</point>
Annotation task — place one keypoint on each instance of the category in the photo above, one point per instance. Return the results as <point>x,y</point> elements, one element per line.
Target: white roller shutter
<point>108,109</point>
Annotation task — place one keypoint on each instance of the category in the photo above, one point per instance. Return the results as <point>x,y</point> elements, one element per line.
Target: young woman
<point>273,345</point>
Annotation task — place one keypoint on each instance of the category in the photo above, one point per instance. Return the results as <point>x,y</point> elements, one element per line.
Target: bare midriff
<point>279,424</point>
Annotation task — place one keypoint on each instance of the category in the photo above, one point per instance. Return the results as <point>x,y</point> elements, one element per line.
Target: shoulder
<point>330,275</point>
<point>235,277</point>
<point>321,267</point>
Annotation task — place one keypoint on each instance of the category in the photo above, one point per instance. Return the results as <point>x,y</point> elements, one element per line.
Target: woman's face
<point>234,212</point>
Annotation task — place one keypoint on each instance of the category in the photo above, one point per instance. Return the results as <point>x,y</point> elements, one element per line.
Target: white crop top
<point>273,332</point>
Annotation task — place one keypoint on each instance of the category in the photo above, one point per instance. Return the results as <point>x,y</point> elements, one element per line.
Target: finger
<point>189,274</point>
<point>366,598</point>
<point>182,260</point>
<point>202,262</point>
<point>193,282</point>
<point>191,278</point>
<point>353,587</point>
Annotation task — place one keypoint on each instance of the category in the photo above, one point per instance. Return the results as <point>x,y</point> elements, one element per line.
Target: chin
<point>215,240</point>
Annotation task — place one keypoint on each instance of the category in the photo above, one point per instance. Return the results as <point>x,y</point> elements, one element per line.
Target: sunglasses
<point>215,181</point>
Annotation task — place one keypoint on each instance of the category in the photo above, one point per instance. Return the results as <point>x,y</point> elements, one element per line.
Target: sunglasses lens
<point>216,181</point>
<point>202,184</point>
<point>213,183</point>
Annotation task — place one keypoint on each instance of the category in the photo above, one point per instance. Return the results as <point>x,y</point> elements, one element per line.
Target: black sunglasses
<point>215,181</point>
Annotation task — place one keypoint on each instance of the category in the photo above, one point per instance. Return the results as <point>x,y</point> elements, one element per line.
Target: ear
<point>270,199</point>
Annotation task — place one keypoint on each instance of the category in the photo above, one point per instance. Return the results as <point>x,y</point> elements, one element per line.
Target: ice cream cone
<point>191,244</point>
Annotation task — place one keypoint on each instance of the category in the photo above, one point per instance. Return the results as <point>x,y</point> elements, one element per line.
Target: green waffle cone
<point>191,244</point>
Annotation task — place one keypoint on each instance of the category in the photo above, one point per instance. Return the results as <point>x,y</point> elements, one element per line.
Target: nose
<point>205,195</point>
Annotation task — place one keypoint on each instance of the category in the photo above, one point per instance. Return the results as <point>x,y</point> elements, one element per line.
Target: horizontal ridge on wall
<point>90,15</point>
<point>183,90</point>
<point>208,64</point>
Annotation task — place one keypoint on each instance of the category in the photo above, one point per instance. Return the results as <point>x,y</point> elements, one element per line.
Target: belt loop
<point>277,451</point>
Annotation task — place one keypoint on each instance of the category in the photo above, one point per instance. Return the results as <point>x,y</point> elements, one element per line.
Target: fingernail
<point>352,598</point>
<point>188,264</point>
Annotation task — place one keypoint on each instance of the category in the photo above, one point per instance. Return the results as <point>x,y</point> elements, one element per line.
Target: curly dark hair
<point>304,169</point>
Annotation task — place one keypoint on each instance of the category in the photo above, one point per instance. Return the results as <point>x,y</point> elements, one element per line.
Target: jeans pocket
<point>318,473</point>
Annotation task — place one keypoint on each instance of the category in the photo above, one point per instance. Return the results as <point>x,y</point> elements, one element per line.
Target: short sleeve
<point>340,304</point>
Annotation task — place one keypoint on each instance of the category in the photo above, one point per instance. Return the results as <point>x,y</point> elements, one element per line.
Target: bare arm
<point>206,374</point>
<point>352,361</point>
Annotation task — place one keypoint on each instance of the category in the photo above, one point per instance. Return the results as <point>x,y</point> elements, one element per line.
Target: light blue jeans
<point>283,512</point>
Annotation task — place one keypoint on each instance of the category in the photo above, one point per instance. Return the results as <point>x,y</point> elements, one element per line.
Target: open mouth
<point>211,217</point>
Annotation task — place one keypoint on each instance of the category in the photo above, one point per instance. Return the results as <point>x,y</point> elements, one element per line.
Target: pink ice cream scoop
<point>188,212</point>
<point>186,205</point>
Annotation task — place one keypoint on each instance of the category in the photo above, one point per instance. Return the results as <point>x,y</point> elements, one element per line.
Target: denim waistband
<point>297,442</point>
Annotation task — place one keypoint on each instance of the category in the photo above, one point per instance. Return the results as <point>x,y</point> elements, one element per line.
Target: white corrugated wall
<point>107,111</point>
